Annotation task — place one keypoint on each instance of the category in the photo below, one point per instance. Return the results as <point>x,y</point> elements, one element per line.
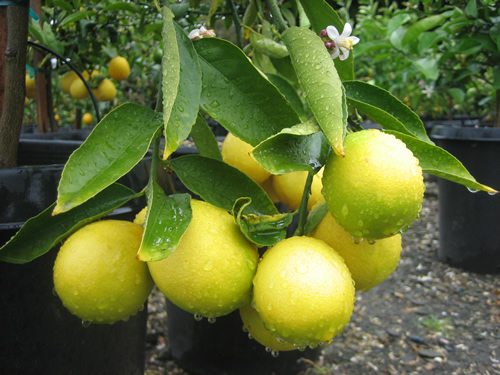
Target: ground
<point>428,317</point>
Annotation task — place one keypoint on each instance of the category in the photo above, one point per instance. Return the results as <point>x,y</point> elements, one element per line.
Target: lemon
<point>106,91</point>
<point>236,153</point>
<point>67,79</point>
<point>253,324</point>
<point>303,291</point>
<point>78,90</point>
<point>289,188</point>
<point>210,271</point>
<point>97,275</point>
<point>119,68</point>
<point>87,118</point>
<point>267,185</point>
<point>30,86</point>
<point>376,190</point>
<point>369,263</point>
<point>140,218</point>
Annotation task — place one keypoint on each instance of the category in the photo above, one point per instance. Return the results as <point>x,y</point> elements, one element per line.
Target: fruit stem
<point>303,206</point>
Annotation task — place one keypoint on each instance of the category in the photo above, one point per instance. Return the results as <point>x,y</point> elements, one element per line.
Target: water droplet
<point>372,242</point>
<point>345,210</point>
<point>490,193</point>
<point>275,353</point>
<point>250,336</point>
<point>197,317</point>
<point>141,308</point>
<point>212,320</point>
<point>214,104</point>
<point>357,240</point>
<point>472,190</point>
<point>86,324</point>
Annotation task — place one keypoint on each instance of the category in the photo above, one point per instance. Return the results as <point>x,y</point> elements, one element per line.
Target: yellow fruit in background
<point>369,263</point>
<point>267,185</point>
<point>57,117</point>
<point>30,82</point>
<point>119,68</point>
<point>141,216</point>
<point>253,324</point>
<point>97,275</point>
<point>106,91</point>
<point>377,189</point>
<point>78,90</point>
<point>236,153</point>
<point>87,118</point>
<point>303,291</point>
<point>289,188</point>
<point>210,271</point>
<point>67,79</point>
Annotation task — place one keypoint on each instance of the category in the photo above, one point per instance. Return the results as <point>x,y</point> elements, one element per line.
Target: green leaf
<point>414,31</point>
<point>77,16</point>
<point>187,99</point>
<point>289,92</point>
<point>239,96</point>
<point>44,231</point>
<point>320,81</point>
<point>167,219</point>
<point>293,150</point>
<point>385,109</point>
<point>315,218</point>
<point>220,184</point>
<point>205,140</point>
<point>457,94</point>
<point>321,15</point>
<point>113,148</point>
<point>428,66</point>
<point>122,5</point>
<point>439,162</point>
<point>265,230</point>
<point>267,46</point>
<point>471,8</point>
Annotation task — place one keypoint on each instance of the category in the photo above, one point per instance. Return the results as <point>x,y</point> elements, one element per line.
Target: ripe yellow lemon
<point>106,91</point>
<point>87,118</point>
<point>30,82</point>
<point>236,153</point>
<point>303,291</point>
<point>119,68</point>
<point>369,263</point>
<point>78,90</point>
<point>376,190</point>
<point>97,275</point>
<point>210,271</point>
<point>253,324</point>
<point>67,79</point>
<point>289,188</point>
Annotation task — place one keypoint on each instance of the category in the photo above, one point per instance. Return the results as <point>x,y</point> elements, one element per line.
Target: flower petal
<point>332,32</point>
<point>347,30</point>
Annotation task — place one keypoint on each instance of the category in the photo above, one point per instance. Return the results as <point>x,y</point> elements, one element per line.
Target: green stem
<point>237,24</point>
<point>277,16</point>
<point>303,206</point>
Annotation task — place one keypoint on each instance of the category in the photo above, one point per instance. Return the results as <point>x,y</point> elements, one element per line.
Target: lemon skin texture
<point>370,264</point>
<point>289,188</point>
<point>377,189</point>
<point>236,153</point>
<point>303,291</point>
<point>119,68</point>
<point>97,275</point>
<point>253,324</point>
<point>210,271</point>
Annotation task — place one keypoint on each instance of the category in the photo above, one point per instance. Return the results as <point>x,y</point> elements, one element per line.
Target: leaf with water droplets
<point>221,184</point>
<point>44,231</point>
<point>439,162</point>
<point>319,79</point>
<point>167,219</point>
<point>114,147</point>
<point>300,148</point>
<point>186,97</point>
<point>238,95</point>
<point>385,109</point>
<point>205,140</point>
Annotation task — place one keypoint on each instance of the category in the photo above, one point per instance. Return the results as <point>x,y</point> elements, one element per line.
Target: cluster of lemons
<point>301,292</point>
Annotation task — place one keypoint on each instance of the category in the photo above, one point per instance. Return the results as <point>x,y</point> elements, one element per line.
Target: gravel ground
<point>426,318</point>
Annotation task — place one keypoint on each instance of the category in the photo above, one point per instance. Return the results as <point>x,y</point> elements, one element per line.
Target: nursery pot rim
<point>484,134</point>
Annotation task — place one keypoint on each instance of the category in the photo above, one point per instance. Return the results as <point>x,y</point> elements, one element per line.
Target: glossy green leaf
<point>385,109</point>
<point>77,16</point>
<point>315,218</point>
<point>301,148</point>
<point>221,184</point>
<point>428,66</point>
<point>422,25</point>
<point>439,162</point>
<point>265,230</point>
<point>267,46</point>
<point>113,148</point>
<point>320,81</point>
<point>167,219</point>
<point>321,15</point>
<point>238,96</point>
<point>289,92</point>
<point>187,98</point>
<point>205,140</point>
<point>44,231</point>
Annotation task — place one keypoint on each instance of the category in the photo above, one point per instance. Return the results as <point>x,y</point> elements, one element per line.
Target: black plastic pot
<point>223,348</point>
<point>38,335</point>
<point>469,223</point>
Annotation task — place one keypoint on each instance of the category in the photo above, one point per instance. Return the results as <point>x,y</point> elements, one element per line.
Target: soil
<point>426,318</point>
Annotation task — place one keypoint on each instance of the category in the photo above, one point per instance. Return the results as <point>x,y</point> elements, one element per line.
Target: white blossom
<point>202,32</point>
<point>343,42</point>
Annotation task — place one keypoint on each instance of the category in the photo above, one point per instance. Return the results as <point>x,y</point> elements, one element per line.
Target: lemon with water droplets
<point>97,275</point>
<point>377,189</point>
<point>369,263</point>
<point>210,271</point>
<point>253,324</point>
<point>303,291</point>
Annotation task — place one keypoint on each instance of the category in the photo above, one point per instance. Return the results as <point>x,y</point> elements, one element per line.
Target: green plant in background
<point>436,324</point>
<point>287,95</point>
